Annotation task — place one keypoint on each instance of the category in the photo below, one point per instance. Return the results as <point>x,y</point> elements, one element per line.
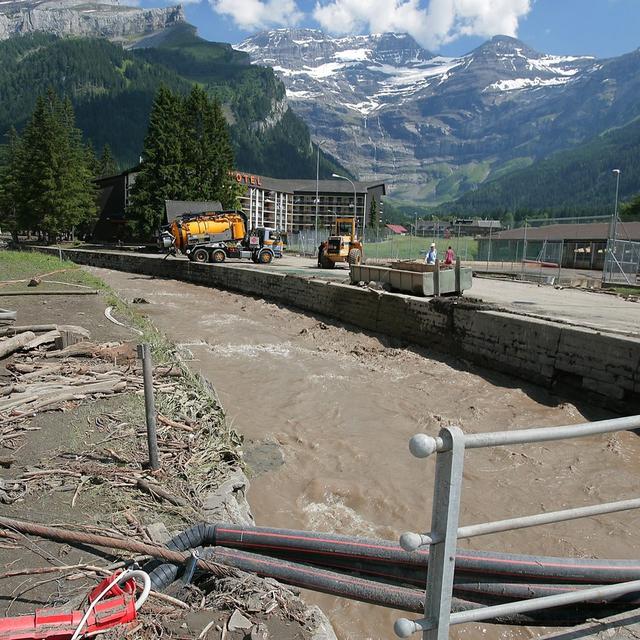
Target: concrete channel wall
<point>536,350</point>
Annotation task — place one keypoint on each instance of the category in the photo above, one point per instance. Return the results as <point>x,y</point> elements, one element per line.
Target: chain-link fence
<point>383,244</point>
<point>568,250</point>
<point>622,262</point>
<point>548,250</point>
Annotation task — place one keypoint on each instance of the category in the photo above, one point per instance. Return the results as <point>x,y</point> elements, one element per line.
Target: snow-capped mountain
<point>430,125</point>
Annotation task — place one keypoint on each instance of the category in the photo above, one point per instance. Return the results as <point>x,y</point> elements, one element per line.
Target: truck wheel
<point>200,255</point>
<point>265,256</point>
<point>218,255</point>
<point>355,256</point>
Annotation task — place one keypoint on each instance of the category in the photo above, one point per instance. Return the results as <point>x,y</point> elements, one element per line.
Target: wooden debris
<point>7,390</point>
<point>156,490</point>
<point>45,338</point>
<point>172,423</point>
<point>41,328</point>
<point>44,292</point>
<point>79,350</point>
<point>7,316</point>
<point>8,346</point>
<point>76,537</point>
<point>6,461</point>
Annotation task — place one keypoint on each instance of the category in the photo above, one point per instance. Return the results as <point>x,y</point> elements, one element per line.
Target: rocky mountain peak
<point>506,45</point>
<point>390,109</point>
<point>103,18</point>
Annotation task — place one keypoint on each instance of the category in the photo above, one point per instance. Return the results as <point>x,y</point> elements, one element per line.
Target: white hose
<point>123,577</point>
<point>109,316</point>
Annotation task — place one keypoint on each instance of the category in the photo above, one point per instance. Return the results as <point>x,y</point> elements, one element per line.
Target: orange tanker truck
<point>218,235</point>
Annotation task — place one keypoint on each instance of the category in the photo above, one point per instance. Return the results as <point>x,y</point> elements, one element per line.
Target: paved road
<point>597,310</point>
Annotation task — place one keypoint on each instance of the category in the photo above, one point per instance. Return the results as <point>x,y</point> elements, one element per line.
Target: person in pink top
<point>449,256</point>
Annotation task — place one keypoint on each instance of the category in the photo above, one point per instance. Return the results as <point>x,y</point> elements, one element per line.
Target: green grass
<point>407,248</point>
<point>24,265</point>
<point>21,266</point>
<point>625,291</point>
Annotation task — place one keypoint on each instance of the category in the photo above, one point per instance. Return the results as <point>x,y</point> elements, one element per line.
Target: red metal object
<point>117,606</point>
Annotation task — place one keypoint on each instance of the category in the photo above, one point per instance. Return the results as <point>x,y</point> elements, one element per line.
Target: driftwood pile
<point>47,374</point>
<point>58,367</point>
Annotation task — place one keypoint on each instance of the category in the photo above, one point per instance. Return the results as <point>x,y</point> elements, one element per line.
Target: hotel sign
<point>246,178</point>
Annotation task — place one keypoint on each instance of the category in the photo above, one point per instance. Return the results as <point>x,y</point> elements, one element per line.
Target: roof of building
<point>323,186</point>
<point>587,231</point>
<point>396,228</point>
<point>176,208</point>
<point>487,224</point>
<point>476,222</point>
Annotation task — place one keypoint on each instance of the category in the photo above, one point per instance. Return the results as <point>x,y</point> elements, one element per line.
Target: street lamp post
<point>615,209</point>
<point>614,224</point>
<point>317,183</point>
<point>355,200</point>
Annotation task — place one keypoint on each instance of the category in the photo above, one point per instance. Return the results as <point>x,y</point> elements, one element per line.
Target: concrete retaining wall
<point>536,350</point>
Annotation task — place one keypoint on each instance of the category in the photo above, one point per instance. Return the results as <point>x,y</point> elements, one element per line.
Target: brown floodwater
<point>340,405</point>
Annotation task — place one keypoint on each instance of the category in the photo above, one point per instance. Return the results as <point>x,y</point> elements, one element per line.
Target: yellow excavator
<point>342,245</point>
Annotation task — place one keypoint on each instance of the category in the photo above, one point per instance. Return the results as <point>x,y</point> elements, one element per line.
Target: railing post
<point>444,530</point>
<point>144,353</point>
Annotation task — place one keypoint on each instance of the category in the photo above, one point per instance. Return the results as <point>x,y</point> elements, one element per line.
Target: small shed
<point>396,228</point>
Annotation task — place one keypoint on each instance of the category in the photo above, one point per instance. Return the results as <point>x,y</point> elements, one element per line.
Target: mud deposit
<point>341,405</point>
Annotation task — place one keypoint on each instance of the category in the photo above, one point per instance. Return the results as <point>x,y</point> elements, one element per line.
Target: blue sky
<point>602,28</point>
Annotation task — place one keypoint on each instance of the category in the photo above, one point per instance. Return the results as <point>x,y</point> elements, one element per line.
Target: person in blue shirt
<point>432,254</point>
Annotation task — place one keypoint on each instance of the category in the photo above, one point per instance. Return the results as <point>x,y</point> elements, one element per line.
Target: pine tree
<point>187,156</point>
<point>208,154</point>
<point>53,172</point>
<point>373,214</point>
<point>106,164</point>
<point>9,187</point>
<point>161,173</point>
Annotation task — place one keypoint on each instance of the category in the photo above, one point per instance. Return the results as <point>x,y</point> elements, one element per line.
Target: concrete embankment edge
<point>603,368</point>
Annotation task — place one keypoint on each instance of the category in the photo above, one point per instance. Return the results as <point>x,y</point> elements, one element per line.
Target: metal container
<point>434,282</point>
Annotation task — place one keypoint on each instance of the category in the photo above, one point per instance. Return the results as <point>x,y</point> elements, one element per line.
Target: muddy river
<point>327,413</point>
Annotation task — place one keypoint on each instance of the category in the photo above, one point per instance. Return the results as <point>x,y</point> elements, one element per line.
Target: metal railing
<point>450,447</point>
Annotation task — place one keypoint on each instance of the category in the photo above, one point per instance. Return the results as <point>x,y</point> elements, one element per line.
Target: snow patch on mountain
<point>526,83</point>
<point>353,55</point>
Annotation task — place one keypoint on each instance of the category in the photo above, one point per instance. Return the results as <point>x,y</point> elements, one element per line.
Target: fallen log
<point>35,400</point>
<point>77,537</point>
<point>17,342</point>
<point>156,490</point>
<point>70,292</point>
<point>36,328</point>
<point>8,389</point>
<point>7,316</point>
<point>45,338</point>
<point>75,350</point>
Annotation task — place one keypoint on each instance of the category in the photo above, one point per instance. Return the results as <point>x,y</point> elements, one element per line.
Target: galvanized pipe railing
<point>450,446</point>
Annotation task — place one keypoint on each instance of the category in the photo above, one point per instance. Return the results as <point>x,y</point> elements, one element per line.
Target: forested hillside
<point>578,182</point>
<point>112,91</point>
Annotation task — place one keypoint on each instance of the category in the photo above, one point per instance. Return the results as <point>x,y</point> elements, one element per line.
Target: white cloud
<point>440,22</point>
<point>259,14</point>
